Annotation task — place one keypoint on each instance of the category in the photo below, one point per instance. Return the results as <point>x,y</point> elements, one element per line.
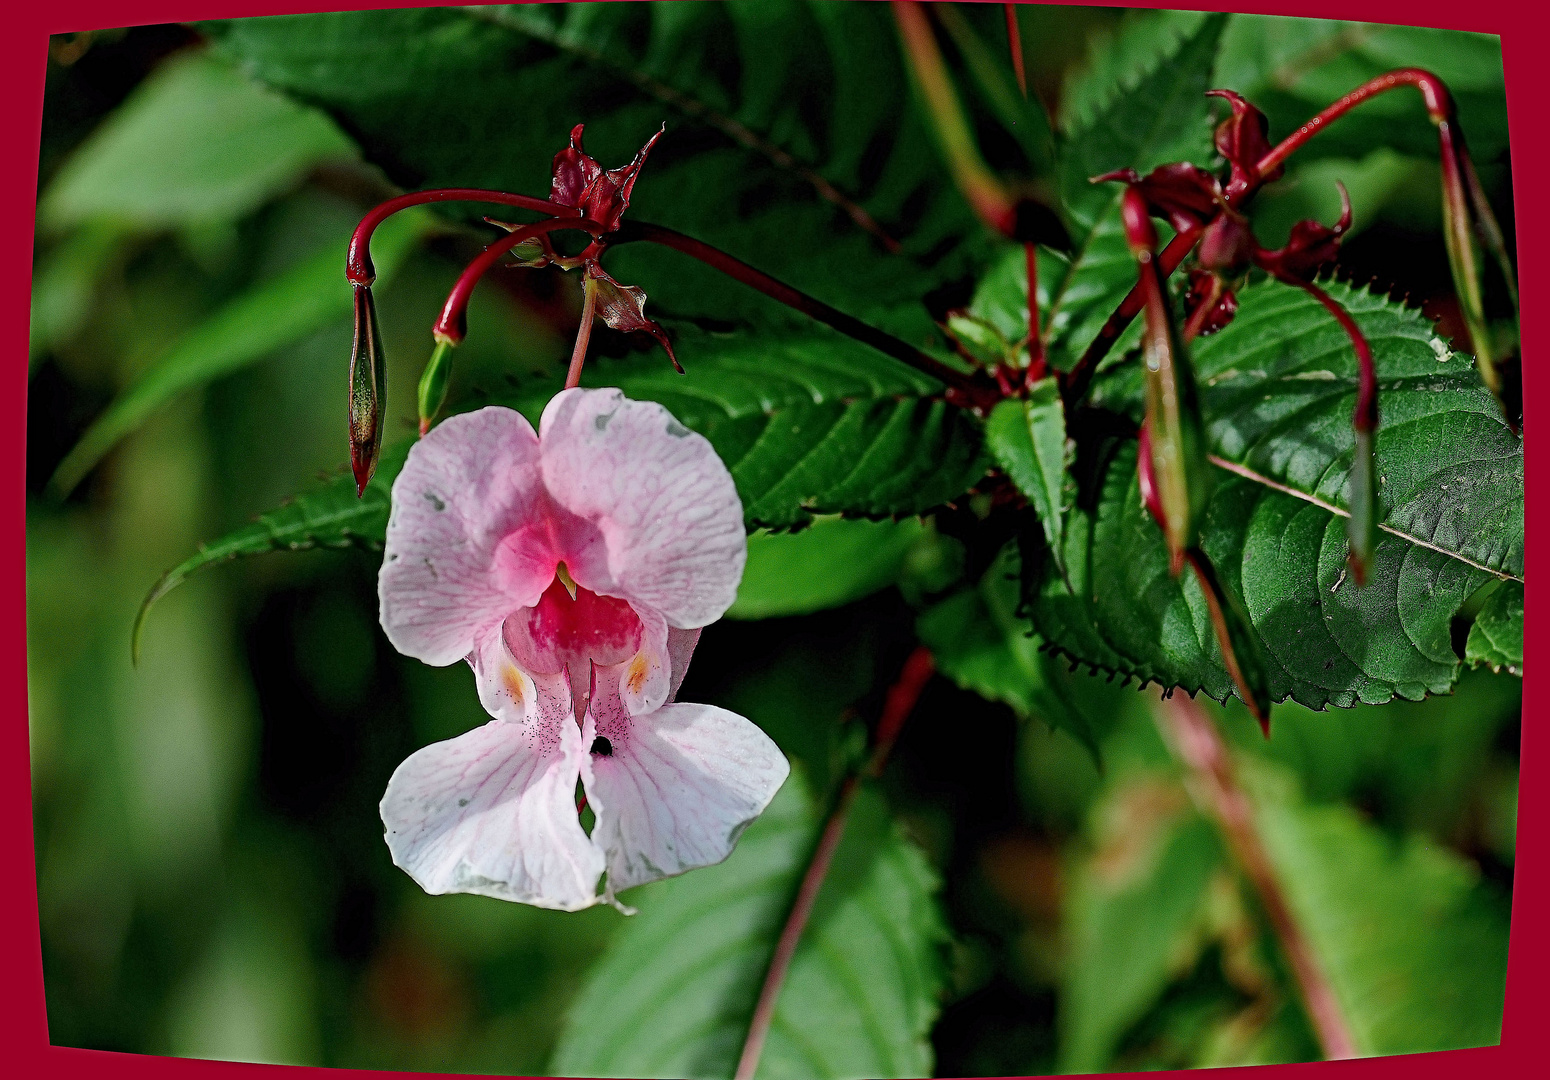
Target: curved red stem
<point>358,268</point>
<point>452,324</point>
<point>1365,417</point>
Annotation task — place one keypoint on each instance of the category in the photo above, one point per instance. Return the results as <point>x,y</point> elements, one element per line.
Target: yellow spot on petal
<point>636,676</point>
<point>513,680</point>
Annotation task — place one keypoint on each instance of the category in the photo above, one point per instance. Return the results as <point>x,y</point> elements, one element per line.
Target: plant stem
<point>970,391</point>
<point>898,705</point>
<point>452,323</point>
<point>358,267</point>
<point>1199,746</point>
<point>578,355</point>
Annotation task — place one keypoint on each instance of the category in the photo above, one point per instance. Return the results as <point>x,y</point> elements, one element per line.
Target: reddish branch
<point>897,707</point>
<point>1198,745</point>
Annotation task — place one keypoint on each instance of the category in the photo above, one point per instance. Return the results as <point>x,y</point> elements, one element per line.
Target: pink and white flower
<point>573,569</point>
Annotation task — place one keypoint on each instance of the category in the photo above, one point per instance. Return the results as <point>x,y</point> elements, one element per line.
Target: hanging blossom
<point>573,569</point>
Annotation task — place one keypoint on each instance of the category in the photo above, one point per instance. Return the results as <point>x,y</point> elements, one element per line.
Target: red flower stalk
<point>1176,475</point>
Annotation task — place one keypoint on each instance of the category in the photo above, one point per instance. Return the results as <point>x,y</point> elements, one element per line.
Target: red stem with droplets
<point>897,706</point>
<point>358,267</point>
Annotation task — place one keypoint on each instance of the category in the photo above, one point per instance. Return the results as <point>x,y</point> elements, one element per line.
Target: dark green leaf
<point>1496,638</point>
<point>1277,387</point>
<point>674,994</point>
<point>981,643</point>
<point>786,123</point>
<point>828,564</point>
<point>1028,440</point>
<point>197,143</point>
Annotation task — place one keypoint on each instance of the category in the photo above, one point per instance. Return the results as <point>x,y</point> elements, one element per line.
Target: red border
<point>24,1034</point>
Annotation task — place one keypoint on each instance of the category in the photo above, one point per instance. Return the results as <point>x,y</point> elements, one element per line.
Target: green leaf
<point>1496,638</point>
<point>196,143</point>
<point>829,564</point>
<point>675,991</point>
<point>1277,387</point>
<point>786,122</point>
<point>980,642</point>
<point>330,516</point>
<point>270,315</point>
<point>1028,441</point>
<point>1132,914</point>
<point>1159,114</point>
<point>808,424</point>
<point>1414,947</point>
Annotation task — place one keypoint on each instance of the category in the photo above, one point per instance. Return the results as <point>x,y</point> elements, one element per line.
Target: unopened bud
<point>368,389</point>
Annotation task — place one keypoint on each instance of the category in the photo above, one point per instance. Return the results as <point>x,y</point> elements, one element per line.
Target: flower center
<point>566,631</point>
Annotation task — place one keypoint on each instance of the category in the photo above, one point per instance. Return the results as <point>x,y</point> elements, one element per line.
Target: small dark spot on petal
<point>602,747</point>
<point>676,430</point>
<point>462,802</point>
<point>436,502</point>
<point>602,420</point>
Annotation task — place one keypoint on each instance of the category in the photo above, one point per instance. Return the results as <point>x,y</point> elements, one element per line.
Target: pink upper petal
<point>468,541</point>
<point>493,812</point>
<point>680,650</point>
<point>676,787</point>
<point>665,505</point>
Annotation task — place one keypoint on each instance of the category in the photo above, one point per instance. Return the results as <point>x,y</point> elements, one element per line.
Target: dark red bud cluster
<point>601,195</point>
<point>1183,195</point>
<point>1244,140</point>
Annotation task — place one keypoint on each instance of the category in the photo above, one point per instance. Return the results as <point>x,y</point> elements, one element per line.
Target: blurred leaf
<point>674,993</point>
<point>250,997</point>
<point>826,565</point>
<point>327,516</point>
<point>197,142</point>
<point>270,315</point>
<point>786,123</point>
<point>1413,946</point>
<point>1158,113</point>
<point>981,643</point>
<point>1277,388</point>
<point>1496,638</point>
<point>1132,914</point>
<point>1028,440</point>
<point>64,284</point>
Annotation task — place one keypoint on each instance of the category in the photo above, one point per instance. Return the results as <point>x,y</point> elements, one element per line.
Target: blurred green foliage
<point>211,874</point>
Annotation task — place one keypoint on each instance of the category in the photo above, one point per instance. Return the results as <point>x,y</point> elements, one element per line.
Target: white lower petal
<point>676,787</point>
<point>493,811</point>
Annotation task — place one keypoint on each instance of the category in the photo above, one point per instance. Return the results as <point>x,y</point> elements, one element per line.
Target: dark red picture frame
<point>1521,25</point>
